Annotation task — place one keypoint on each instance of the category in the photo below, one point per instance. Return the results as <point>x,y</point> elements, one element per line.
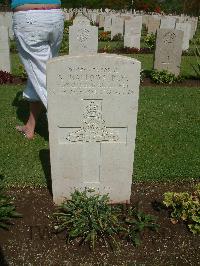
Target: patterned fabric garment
<point>38,35</point>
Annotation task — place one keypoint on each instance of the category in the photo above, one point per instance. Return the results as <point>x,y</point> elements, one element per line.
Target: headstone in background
<point>101,21</point>
<point>133,28</point>
<point>117,26</point>
<point>153,25</point>
<point>108,23</point>
<point>6,21</point>
<point>168,50</point>
<point>83,39</point>
<point>168,23</point>
<point>186,28</point>
<point>81,19</point>
<point>92,113</point>
<point>4,50</point>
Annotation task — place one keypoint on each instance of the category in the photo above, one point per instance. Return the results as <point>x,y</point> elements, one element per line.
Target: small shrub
<point>164,76</point>
<point>117,37</point>
<point>150,41</point>
<point>104,36</point>
<point>90,218</point>
<point>22,72</point>
<point>136,222</point>
<point>186,207</point>
<point>7,210</point>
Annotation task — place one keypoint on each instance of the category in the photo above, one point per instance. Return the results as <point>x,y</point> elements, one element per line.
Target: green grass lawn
<point>167,144</point>
<point>168,132</point>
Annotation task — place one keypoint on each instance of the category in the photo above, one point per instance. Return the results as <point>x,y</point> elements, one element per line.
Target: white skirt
<point>38,34</point>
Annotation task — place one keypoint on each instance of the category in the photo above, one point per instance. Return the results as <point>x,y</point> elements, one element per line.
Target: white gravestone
<point>133,28</point>
<point>83,39</point>
<point>4,49</point>
<point>92,113</point>
<point>186,28</point>
<point>153,24</point>
<point>117,26</point>
<point>168,50</point>
<point>108,23</point>
<point>168,23</point>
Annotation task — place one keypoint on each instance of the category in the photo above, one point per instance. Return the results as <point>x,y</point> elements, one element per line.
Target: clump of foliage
<point>150,41</point>
<point>164,76</point>
<point>22,72</point>
<point>89,218</point>
<point>197,67</point>
<point>63,48</point>
<point>6,77</point>
<point>117,37</point>
<point>136,222</point>
<point>186,207</point>
<point>104,36</point>
<point>7,210</point>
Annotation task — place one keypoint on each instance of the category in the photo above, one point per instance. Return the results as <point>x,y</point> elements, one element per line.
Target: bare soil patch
<point>31,240</point>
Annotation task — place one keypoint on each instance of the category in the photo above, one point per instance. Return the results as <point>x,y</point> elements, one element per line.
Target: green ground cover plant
<point>164,76</point>
<point>7,210</point>
<point>90,218</point>
<point>185,207</point>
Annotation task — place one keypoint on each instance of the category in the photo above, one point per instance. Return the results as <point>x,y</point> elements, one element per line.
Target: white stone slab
<point>186,28</point>
<point>168,50</point>
<point>168,23</point>
<point>153,25</point>
<point>83,39</point>
<point>108,23</point>
<point>133,28</point>
<point>117,26</point>
<point>4,49</point>
<point>92,113</point>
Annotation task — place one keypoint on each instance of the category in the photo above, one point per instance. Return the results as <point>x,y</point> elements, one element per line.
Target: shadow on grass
<point>45,161</point>
<point>3,262</point>
<point>22,111</point>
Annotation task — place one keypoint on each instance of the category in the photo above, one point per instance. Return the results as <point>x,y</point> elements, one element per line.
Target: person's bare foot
<point>27,132</point>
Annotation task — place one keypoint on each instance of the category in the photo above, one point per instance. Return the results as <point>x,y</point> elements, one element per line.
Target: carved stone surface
<point>168,23</point>
<point>83,39</point>
<point>4,49</point>
<point>153,24</point>
<point>168,50</point>
<point>92,113</point>
<point>186,28</point>
<point>117,26</point>
<point>133,28</point>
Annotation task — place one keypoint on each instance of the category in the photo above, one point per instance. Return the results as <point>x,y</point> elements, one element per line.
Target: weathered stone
<point>83,39</point>
<point>92,113</point>
<point>186,28</point>
<point>168,50</point>
<point>4,49</point>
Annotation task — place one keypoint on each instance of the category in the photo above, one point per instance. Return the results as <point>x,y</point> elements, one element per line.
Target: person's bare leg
<point>29,128</point>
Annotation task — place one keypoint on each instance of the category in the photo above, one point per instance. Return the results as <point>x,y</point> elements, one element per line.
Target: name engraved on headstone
<point>94,80</point>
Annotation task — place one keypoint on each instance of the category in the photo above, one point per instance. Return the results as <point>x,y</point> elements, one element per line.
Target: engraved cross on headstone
<point>92,134</point>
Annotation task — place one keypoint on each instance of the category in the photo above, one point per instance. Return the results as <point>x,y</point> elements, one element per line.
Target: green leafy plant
<point>22,72</point>
<point>150,41</point>
<point>89,217</point>
<point>164,76</point>
<point>186,207</point>
<point>197,68</point>
<point>136,222</point>
<point>7,210</point>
